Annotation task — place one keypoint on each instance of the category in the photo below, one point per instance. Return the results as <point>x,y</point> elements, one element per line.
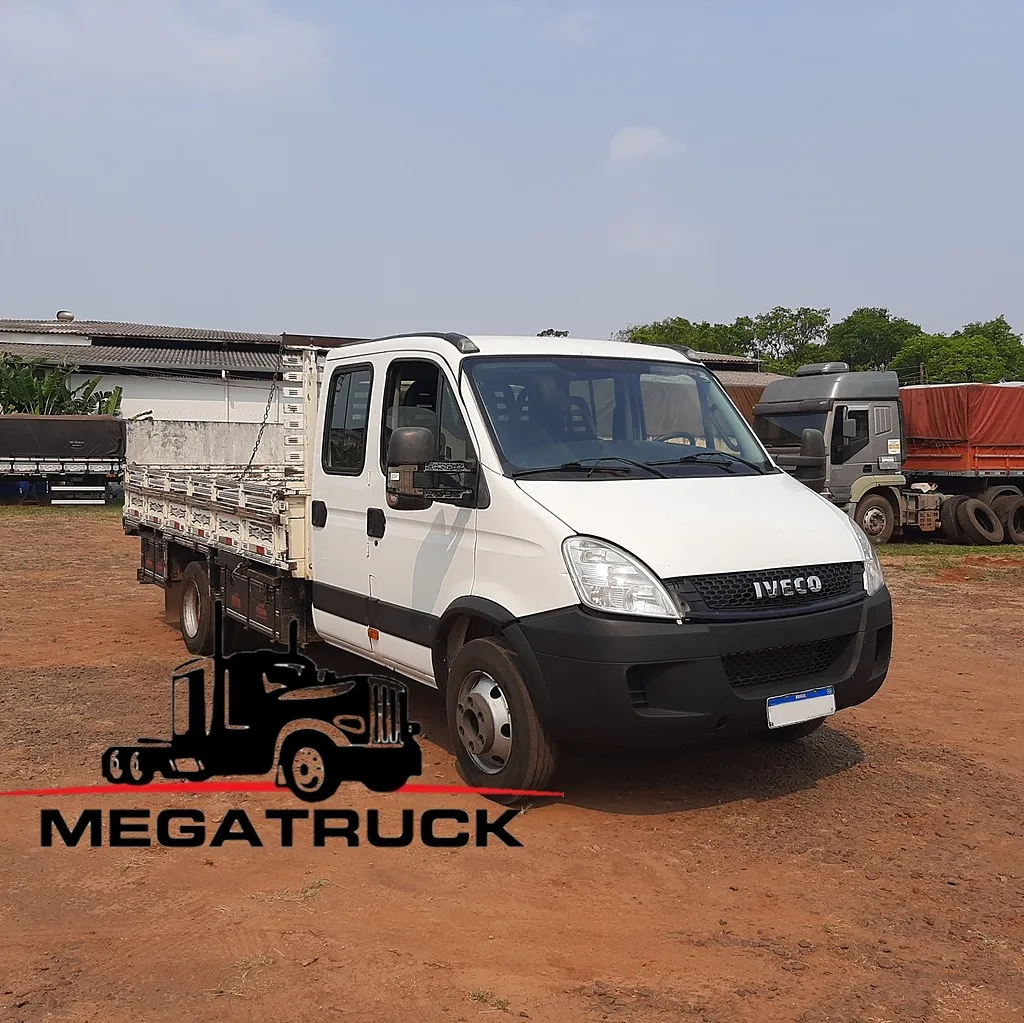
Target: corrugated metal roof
<point>106,328</point>
<point>745,378</point>
<point>183,357</point>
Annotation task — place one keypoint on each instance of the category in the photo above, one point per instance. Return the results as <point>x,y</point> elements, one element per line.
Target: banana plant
<point>29,386</point>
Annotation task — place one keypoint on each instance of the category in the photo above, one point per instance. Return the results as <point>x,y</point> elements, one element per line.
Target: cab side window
<point>844,448</point>
<point>417,393</point>
<point>344,450</point>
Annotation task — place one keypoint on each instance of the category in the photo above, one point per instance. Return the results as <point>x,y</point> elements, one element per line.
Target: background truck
<point>942,460</point>
<point>554,534</point>
<point>61,459</point>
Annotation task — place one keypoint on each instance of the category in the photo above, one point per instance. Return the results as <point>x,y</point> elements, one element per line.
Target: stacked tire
<point>1009,509</point>
<point>994,518</point>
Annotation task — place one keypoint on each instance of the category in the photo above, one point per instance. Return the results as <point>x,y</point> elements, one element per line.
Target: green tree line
<point>869,338</point>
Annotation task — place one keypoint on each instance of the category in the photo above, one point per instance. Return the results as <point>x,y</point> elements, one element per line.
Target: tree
<point>553,333</point>
<point>720,338</point>
<point>950,359</point>
<point>869,338</point>
<point>785,338</point>
<point>1006,342</point>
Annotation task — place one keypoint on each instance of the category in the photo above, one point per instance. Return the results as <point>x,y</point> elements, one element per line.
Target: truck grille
<point>777,664</point>
<point>770,588</point>
<point>385,715</point>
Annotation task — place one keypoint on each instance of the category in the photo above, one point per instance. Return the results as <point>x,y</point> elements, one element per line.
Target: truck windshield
<point>569,417</point>
<point>784,429</point>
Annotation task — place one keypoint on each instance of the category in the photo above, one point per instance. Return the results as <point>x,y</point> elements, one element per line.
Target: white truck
<point>573,541</point>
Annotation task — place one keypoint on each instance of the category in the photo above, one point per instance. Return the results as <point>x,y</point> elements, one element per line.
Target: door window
<point>417,393</point>
<point>844,448</point>
<point>348,406</point>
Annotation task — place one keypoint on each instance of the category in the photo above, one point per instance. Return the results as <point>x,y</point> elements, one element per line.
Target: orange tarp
<point>964,428</point>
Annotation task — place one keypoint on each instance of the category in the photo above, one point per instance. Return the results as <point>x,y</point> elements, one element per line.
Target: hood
<point>706,525</point>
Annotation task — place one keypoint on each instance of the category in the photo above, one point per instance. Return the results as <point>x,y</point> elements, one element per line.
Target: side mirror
<point>849,428</point>
<point>416,476</point>
<point>810,463</point>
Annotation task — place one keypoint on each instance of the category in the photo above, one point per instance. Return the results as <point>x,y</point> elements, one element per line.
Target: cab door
<point>341,481</point>
<point>420,560</point>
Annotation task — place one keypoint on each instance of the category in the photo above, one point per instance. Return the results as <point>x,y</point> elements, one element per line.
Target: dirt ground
<point>873,872</point>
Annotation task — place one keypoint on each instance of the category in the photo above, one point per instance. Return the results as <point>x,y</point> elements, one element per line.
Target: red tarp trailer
<point>964,428</point>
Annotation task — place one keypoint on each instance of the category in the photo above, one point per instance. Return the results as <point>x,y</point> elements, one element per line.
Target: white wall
<point>190,399</point>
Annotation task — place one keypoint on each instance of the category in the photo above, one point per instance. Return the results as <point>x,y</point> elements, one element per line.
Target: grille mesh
<point>735,591</point>
<point>776,664</point>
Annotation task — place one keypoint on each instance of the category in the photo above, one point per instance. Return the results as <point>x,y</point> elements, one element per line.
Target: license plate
<point>798,707</point>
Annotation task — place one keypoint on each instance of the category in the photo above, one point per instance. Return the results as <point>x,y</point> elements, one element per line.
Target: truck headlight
<point>874,579</point>
<point>608,579</point>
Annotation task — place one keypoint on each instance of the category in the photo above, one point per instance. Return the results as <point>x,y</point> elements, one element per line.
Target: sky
<point>365,167</point>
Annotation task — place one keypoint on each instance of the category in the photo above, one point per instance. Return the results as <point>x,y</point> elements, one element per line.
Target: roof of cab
<point>448,346</point>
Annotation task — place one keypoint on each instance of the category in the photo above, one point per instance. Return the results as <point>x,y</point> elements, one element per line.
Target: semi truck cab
<point>861,418</point>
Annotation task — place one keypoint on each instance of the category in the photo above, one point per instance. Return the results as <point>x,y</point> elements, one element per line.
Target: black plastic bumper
<point>621,682</point>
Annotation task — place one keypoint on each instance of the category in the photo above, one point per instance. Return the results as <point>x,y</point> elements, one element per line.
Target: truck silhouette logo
<point>278,712</point>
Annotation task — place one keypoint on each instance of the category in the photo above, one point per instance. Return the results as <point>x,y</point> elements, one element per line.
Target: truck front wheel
<point>875,516</point>
<point>500,742</point>
<point>196,612</point>
<point>310,764</point>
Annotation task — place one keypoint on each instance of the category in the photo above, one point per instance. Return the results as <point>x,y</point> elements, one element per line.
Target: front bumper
<point>627,682</point>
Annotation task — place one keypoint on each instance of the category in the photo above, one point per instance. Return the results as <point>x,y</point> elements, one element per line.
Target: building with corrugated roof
<point>176,373</point>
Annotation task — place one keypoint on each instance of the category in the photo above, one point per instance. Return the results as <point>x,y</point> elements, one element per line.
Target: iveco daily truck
<point>574,541</point>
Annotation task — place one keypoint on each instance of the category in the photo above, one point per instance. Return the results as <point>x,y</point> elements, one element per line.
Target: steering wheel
<point>672,436</point>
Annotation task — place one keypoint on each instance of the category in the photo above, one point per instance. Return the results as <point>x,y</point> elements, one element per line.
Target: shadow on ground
<point>657,781</point>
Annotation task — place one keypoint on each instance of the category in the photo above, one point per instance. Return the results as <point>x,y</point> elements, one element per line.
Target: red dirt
<point>871,872</point>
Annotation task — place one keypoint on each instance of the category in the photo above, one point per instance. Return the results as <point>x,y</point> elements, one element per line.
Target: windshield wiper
<point>700,456</point>
<point>578,466</point>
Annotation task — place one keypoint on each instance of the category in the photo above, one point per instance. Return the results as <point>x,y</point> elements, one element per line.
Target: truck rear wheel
<point>1010,512</point>
<point>993,494</point>
<point>196,612</point>
<point>978,522</point>
<point>875,516</point>
<point>500,742</point>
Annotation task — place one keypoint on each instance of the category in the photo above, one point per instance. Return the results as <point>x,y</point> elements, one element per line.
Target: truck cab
<point>584,541</point>
<point>861,418</point>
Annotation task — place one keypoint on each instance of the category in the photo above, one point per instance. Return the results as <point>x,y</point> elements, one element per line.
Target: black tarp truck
<point>60,459</point>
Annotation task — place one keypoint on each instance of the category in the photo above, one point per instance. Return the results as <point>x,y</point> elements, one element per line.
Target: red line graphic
<point>266,786</point>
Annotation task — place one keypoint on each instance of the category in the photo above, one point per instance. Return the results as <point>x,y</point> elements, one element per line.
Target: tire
<point>1010,512</point>
<point>196,610</point>
<point>500,742</point>
<point>979,523</point>
<point>876,517</point>
<point>949,525</point>
<point>115,766</point>
<point>310,764</point>
<point>790,733</point>
<point>137,770</point>
<point>993,494</point>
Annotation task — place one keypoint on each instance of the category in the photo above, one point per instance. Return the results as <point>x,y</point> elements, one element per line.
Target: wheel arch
<point>465,619</point>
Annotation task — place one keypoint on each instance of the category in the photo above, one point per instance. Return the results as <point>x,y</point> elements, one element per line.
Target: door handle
<point>318,514</point>
<point>375,522</point>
